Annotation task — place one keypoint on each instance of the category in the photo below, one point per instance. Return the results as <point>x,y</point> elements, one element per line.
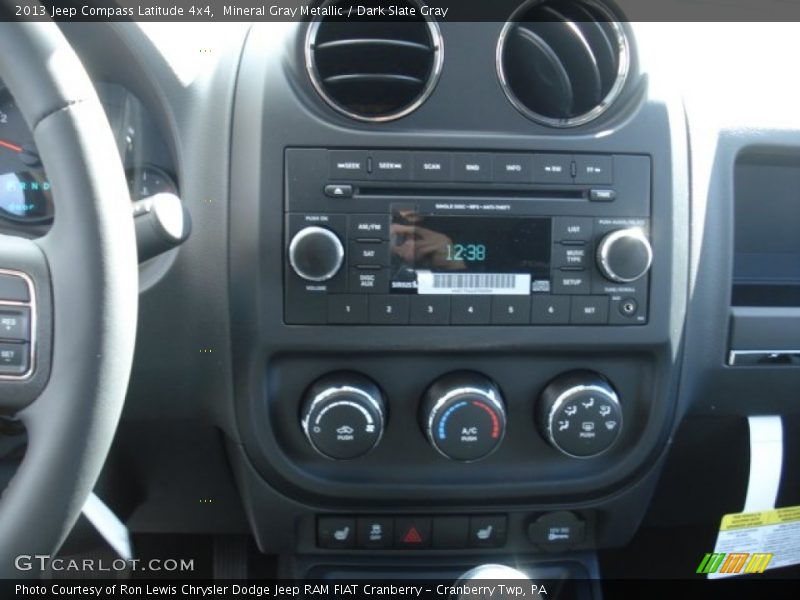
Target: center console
<point>453,336</point>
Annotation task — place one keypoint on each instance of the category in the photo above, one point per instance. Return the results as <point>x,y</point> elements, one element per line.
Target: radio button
<point>589,310</point>
<point>572,229</point>
<point>594,169</point>
<point>552,168</point>
<point>361,227</point>
<point>569,256</point>
<point>347,309</point>
<point>511,310</point>
<point>472,167</point>
<point>369,281</point>
<point>369,254</point>
<point>388,310</point>
<point>470,310</point>
<point>571,282</point>
<point>391,166</point>
<point>550,310</point>
<point>433,166</point>
<point>430,310</point>
<point>348,164</point>
<point>513,168</point>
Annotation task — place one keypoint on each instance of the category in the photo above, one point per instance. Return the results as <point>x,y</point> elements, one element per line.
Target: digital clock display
<point>433,254</point>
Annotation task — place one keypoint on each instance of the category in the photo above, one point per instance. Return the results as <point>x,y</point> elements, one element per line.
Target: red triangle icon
<point>412,536</point>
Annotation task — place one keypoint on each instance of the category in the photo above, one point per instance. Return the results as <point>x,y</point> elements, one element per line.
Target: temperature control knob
<point>343,415</point>
<point>315,253</point>
<point>624,255</point>
<point>463,416</point>
<point>580,414</point>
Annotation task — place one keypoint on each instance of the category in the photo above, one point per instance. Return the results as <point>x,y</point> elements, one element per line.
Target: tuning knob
<point>580,414</point>
<point>315,253</point>
<point>343,415</point>
<point>624,255</point>
<point>463,416</point>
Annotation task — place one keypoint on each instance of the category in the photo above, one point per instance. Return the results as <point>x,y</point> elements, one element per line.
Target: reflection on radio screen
<point>500,247</point>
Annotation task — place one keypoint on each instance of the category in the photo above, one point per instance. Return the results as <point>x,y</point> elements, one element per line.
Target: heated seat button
<point>374,532</point>
<point>336,532</point>
<point>15,323</point>
<point>450,532</point>
<point>487,531</point>
<point>13,289</point>
<point>412,532</point>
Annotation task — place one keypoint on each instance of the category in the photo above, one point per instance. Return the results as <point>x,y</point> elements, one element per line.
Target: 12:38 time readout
<point>466,252</point>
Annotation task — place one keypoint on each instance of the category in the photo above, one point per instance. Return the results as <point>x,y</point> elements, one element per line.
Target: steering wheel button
<point>13,289</point>
<point>15,323</point>
<point>14,358</point>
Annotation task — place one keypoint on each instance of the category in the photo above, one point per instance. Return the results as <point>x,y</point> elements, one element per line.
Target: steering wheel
<point>78,286</point>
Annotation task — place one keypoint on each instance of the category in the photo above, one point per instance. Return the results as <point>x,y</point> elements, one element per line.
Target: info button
<point>513,168</point>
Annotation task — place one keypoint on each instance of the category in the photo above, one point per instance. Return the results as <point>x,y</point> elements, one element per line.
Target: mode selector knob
<point>624,255</point>
<point>316,253</point>
<point>463,416</point>
<point>580,414</point>
<point>343,415</point>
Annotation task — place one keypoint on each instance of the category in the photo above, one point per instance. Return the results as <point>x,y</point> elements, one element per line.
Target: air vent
<point>563,63</point>
<point>372,68</point>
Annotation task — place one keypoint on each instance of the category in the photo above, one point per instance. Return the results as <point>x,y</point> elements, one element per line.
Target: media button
<point>571,282</point>
<point>363,227</point>
<point>512,168</point>
<point>572,229</point>
<point>511,310</point>
<point>391,166</point>
<point>369,281</point>
<point>550,310</point>
<point>433,166</point>
<point>430,310</point>
<point>552,168</point>
<point>472,167</point>
<point>348,164</point>
<point>570,256</point>
<point>369,254</point>
<point>388,310</point>
<point>470,310</point>
<point>589,310</point>
<point>592,168</point>
<point>347,309</point>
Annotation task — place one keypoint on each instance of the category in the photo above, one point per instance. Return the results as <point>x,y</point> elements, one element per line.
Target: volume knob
<point>624,255</point>
<point>316,254</point>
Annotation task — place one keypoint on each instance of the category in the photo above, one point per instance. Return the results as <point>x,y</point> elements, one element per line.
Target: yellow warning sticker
<point>771,536</point>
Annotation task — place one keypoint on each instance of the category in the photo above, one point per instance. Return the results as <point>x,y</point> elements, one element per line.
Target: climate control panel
<point>462,415</point>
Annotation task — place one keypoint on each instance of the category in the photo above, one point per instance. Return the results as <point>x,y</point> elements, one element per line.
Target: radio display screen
<point>469,255</point>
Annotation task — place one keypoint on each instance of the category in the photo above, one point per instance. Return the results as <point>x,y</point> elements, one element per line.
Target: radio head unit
<point>381,249</point>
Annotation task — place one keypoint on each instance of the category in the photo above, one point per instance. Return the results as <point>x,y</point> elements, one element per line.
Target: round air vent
<point>563,63</point>
<point>375,67</point>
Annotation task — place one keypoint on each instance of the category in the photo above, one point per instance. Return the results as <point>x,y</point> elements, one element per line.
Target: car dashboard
<point>451,296</point>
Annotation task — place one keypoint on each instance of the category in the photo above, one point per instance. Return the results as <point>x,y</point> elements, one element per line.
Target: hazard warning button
<point>412,532</point>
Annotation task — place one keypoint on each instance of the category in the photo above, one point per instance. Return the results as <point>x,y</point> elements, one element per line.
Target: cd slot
<point>456,193</point>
